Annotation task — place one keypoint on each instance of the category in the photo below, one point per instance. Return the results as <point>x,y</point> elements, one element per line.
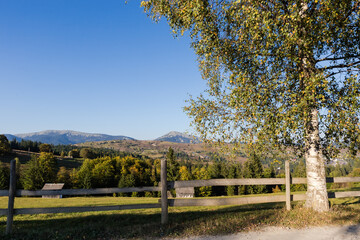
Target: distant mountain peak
<point>178,137</point>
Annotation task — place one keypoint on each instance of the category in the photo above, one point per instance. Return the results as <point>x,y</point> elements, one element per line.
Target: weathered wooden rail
<point>164,202</point>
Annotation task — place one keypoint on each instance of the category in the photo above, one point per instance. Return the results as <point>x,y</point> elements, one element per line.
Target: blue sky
<point>93,66</point>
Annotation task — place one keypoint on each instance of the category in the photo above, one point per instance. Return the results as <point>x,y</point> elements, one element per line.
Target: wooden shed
<point>52,186</point>
<point>186,192</point>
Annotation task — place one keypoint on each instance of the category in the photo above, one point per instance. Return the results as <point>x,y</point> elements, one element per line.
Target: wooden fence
<point>164,202</point>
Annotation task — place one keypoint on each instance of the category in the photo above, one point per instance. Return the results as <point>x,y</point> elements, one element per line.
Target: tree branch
<point>335,73</point>
<point>340,66</point>
<point>335,59</point>
<point>357,4</point>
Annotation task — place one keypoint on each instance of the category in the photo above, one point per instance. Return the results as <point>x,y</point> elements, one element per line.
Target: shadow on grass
<point>182,222</point>
<point>348,213</point>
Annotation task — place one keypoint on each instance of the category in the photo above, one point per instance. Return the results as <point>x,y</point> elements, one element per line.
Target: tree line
<point>66,150</point>
<point>132,171</point>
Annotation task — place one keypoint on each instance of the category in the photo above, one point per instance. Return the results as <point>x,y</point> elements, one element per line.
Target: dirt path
<point>275,233</point>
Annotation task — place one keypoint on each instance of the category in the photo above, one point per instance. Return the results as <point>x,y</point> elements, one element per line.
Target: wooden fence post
<point>287,184</point>
<point>164,199</point>
<point>12,190</point>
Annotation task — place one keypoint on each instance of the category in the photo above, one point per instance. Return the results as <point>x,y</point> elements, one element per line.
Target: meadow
<point>183,221</point>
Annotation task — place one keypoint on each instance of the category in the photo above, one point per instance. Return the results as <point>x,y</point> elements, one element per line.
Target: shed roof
<point>53,186</point>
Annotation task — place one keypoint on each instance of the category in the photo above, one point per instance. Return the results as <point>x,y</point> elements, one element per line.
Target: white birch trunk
<point>316,195</point>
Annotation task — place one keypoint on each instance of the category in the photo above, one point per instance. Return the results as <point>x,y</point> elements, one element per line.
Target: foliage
<point>299,171</point>
<point>135,172</point>
<point>201,173</point>
<point>117,172</point>
<point>172,165</point>
<point>25,145</point>
<point>87,153</point>
<point>4,176</point>
<point>253,169</point>
<point>18,174</point>
<point>62,154</point>
<point>280,74</point>
<point>40,170</point>
<point>103,173</point>
<point>230,171</point>
<point>84,177</point>
<point>4,145</point>
<point>184,174</point>
<point>74,153</point>
<point>44,147</point>
<point>269,65</point>
<point>276,189</point>
<point>269,173</point>
<point>63,176</point>
<point>355,172</point>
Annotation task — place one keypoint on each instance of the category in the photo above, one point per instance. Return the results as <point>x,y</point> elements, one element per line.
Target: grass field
<point>183,221</point>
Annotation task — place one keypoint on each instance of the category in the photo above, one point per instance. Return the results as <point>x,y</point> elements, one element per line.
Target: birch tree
<point>280,73</point>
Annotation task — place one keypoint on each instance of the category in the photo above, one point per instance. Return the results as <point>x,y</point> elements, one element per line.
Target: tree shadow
<point>348,212</point>
<point>137,225</point>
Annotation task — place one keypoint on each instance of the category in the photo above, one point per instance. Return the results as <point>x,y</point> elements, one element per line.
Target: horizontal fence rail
<point>175,184</point>
<point>253,181</point>
<point>226,182</point>
<point>10,212</point>
<point>232,201</point>
<point>164,202</point>
<point>72,192</point>
<point>251,200</point>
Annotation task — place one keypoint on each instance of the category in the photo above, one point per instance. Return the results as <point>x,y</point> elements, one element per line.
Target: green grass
<point>33,202</point>
<point>183,221</point>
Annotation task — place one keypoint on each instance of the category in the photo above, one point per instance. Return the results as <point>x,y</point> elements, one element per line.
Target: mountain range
<point>178,137</point>
<point>73,137</point>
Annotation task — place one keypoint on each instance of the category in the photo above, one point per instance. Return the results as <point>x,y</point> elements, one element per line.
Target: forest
<point>109,168</point>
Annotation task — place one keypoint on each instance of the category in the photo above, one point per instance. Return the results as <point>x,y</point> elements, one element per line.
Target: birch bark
<point>316,195</point>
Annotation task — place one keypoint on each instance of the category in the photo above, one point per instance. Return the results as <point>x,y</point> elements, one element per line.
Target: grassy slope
<point>24,157</point>
<point>183,221</point>
<point>158,149</point>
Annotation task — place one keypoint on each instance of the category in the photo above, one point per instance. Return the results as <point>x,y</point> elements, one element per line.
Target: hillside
<point>11,137</point>
<point>65,137</point>
<point>158,149</point>
<point>178,137</point>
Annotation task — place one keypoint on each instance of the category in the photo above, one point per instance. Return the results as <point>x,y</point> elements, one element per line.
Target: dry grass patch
<point>183,221</point>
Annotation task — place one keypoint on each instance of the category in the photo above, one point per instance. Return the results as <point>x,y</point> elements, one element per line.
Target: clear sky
<point>92,66</point>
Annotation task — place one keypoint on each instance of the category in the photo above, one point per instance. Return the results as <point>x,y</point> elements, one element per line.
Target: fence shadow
<point>211,220</point>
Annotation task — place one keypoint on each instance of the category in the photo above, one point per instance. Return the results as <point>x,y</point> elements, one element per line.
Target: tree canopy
<point>280,73</point>
<point>44,147</point>
<point>4,145</point>
<point>269,64</point>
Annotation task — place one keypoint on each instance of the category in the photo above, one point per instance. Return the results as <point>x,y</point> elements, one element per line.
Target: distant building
<point>187,192</point>
<point>52,186</point>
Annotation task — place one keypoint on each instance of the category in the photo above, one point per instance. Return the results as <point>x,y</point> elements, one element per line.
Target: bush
<point>87,153</point>
<point>74,153</point>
